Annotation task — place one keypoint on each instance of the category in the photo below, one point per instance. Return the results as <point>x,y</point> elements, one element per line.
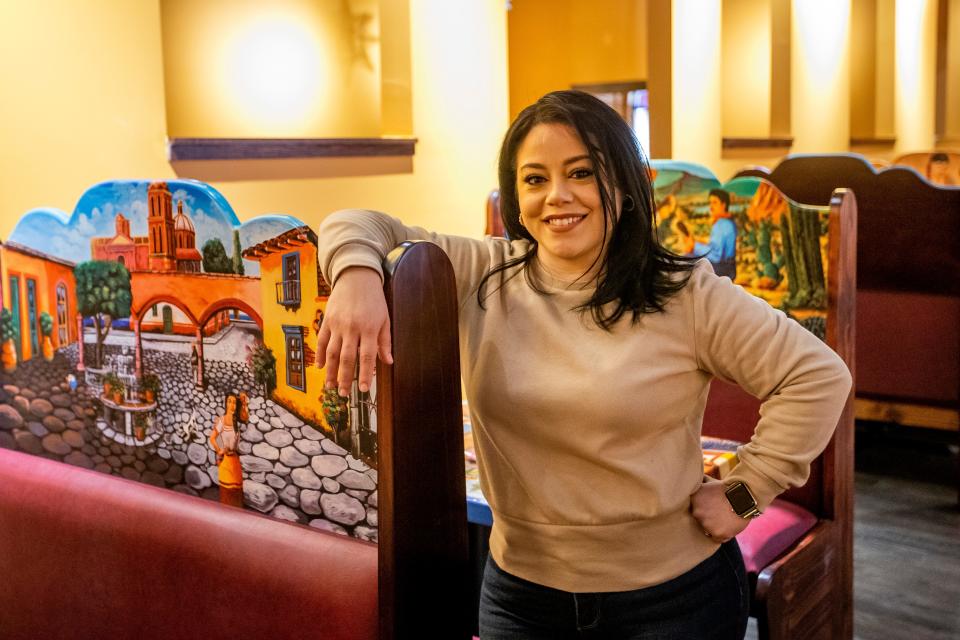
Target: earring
<point>628,202</point>
<point>520,219</point>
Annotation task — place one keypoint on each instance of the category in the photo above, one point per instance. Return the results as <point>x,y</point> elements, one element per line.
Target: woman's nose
<point>559,193</point>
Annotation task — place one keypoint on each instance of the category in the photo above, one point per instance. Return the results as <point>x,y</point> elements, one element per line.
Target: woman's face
<point>559,199</point>
<point>231,405</point>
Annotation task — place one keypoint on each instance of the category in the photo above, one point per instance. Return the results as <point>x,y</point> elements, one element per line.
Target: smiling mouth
<point>561,222</point>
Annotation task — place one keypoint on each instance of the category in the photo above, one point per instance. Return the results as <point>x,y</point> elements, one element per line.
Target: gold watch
<point>742,500</point>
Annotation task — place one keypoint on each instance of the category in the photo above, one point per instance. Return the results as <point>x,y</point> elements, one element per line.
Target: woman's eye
<point>534,179</point>
<point>580,174</point>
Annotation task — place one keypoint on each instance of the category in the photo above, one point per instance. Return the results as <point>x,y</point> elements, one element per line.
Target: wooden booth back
<point>908,283</point>
<point>89,549</point>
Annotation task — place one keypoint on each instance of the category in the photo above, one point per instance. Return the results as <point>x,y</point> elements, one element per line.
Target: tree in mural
<point>264,365</point>
<point>237,257</point>
<point>215,259</point>
<point>103,293</point>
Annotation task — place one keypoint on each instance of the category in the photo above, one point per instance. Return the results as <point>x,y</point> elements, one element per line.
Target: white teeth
<point>563,222</point>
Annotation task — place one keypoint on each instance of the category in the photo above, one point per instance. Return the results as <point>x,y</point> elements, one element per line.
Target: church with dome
<point>170,244</point>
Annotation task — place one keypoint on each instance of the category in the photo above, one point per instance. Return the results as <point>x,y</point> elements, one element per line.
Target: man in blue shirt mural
<point>721,250</point>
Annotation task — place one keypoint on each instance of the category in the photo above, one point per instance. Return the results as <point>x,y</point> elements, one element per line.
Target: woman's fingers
<point>323,339</point>
<point>355,329</point>
<point>332,362</point>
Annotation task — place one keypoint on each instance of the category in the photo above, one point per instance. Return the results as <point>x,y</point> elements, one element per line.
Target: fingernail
<point>364,387</point>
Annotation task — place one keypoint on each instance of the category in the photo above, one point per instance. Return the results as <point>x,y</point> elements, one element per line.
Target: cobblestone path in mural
<point>291,470</point>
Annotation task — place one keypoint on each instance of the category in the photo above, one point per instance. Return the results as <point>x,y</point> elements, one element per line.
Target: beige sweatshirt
<point>588,441</point>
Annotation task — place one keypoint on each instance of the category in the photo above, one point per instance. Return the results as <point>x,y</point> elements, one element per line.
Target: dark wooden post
<point>424,579</point>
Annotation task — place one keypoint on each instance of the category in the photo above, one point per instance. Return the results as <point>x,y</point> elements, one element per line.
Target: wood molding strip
<point>267,148</point>
<point>911,415</point>
<point>875,141</point>
<point>757,143</point>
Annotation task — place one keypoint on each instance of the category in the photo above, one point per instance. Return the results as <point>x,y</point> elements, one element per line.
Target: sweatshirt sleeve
<point>803,384</point>
<point>361,238</point>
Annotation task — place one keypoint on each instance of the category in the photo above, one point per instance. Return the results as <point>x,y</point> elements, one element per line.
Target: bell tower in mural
<point>160,221</point>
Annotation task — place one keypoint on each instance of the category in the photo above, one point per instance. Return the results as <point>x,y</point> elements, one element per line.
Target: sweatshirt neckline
<point>557,284</point>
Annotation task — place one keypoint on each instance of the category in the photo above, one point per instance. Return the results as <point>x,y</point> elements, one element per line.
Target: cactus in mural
<point>8,336</point>
<point>46,328</point>
<point>801,246</point>
<point>103,293</point>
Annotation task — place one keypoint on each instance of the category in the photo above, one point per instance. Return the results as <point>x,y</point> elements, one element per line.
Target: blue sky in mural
<point>54,232</point>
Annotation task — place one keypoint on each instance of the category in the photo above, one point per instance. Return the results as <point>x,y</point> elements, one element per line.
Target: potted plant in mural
<point>110,382</point>
<point>103,293</point>
<point>336,413</point>
<point>46,328</point>
<point>8,334</point>
<point>264,365</point>
<point>140,426</point>
<point>150,385</point>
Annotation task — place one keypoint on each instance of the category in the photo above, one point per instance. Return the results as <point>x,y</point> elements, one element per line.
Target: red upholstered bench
<point>767,538</point>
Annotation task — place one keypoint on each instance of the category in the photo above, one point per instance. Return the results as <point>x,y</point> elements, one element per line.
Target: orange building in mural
<point>170,244</point>
<point>33,283</point>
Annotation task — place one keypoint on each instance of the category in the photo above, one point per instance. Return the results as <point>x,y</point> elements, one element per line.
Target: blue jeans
<point>709,602</point>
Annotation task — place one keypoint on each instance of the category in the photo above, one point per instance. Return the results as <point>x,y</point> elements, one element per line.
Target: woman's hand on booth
<point>355,322</point>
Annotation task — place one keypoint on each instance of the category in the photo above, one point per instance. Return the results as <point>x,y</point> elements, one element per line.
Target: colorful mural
<point>193,369</point>
<point>771,246</point>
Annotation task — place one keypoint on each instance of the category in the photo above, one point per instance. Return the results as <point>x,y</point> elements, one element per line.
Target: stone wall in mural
<point>152,336</point>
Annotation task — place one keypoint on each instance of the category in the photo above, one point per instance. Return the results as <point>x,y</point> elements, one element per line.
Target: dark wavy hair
<point>638,274</point>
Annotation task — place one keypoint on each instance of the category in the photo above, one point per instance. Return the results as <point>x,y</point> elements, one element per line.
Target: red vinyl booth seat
<point>167,565</point>
<point>783,524</point>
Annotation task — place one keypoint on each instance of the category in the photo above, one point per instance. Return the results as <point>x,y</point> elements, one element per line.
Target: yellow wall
<point>951,128</point>
<point>915,75</point>
<point>306,403</point>
<point>287,68</point>
<point>85,103</point>
<point>746,64</point>
<point>697,120</point>
<point>554,45</point>
<point>820,72</point>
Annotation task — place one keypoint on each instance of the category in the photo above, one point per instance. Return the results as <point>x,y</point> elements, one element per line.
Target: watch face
<point>740,498</point>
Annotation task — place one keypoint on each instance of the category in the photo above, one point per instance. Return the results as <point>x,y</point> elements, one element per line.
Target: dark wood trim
<point>757,143</point>
<point>873,141</point>
<point>260,148</point>
<point>424,570</point>
<point>611,87</point>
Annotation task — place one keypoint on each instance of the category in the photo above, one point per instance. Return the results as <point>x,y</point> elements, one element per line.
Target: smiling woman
<point>605,324</point>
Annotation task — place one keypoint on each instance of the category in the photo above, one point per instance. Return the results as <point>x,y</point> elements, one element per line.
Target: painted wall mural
<point>764,242</point>
<point>152,336</point>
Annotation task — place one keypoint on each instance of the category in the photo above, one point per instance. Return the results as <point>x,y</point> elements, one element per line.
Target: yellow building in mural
<point>294,295</point>
<point>34,282</point>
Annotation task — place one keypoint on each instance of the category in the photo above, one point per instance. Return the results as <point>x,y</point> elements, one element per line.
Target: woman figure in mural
<point>224,439</point>
<point>721,250</point>
<point>587,351</point>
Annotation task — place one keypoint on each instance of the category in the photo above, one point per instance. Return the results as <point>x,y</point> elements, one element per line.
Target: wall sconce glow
<point>274,72</point>
<point>823,26</point>
<point>910,17</point>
